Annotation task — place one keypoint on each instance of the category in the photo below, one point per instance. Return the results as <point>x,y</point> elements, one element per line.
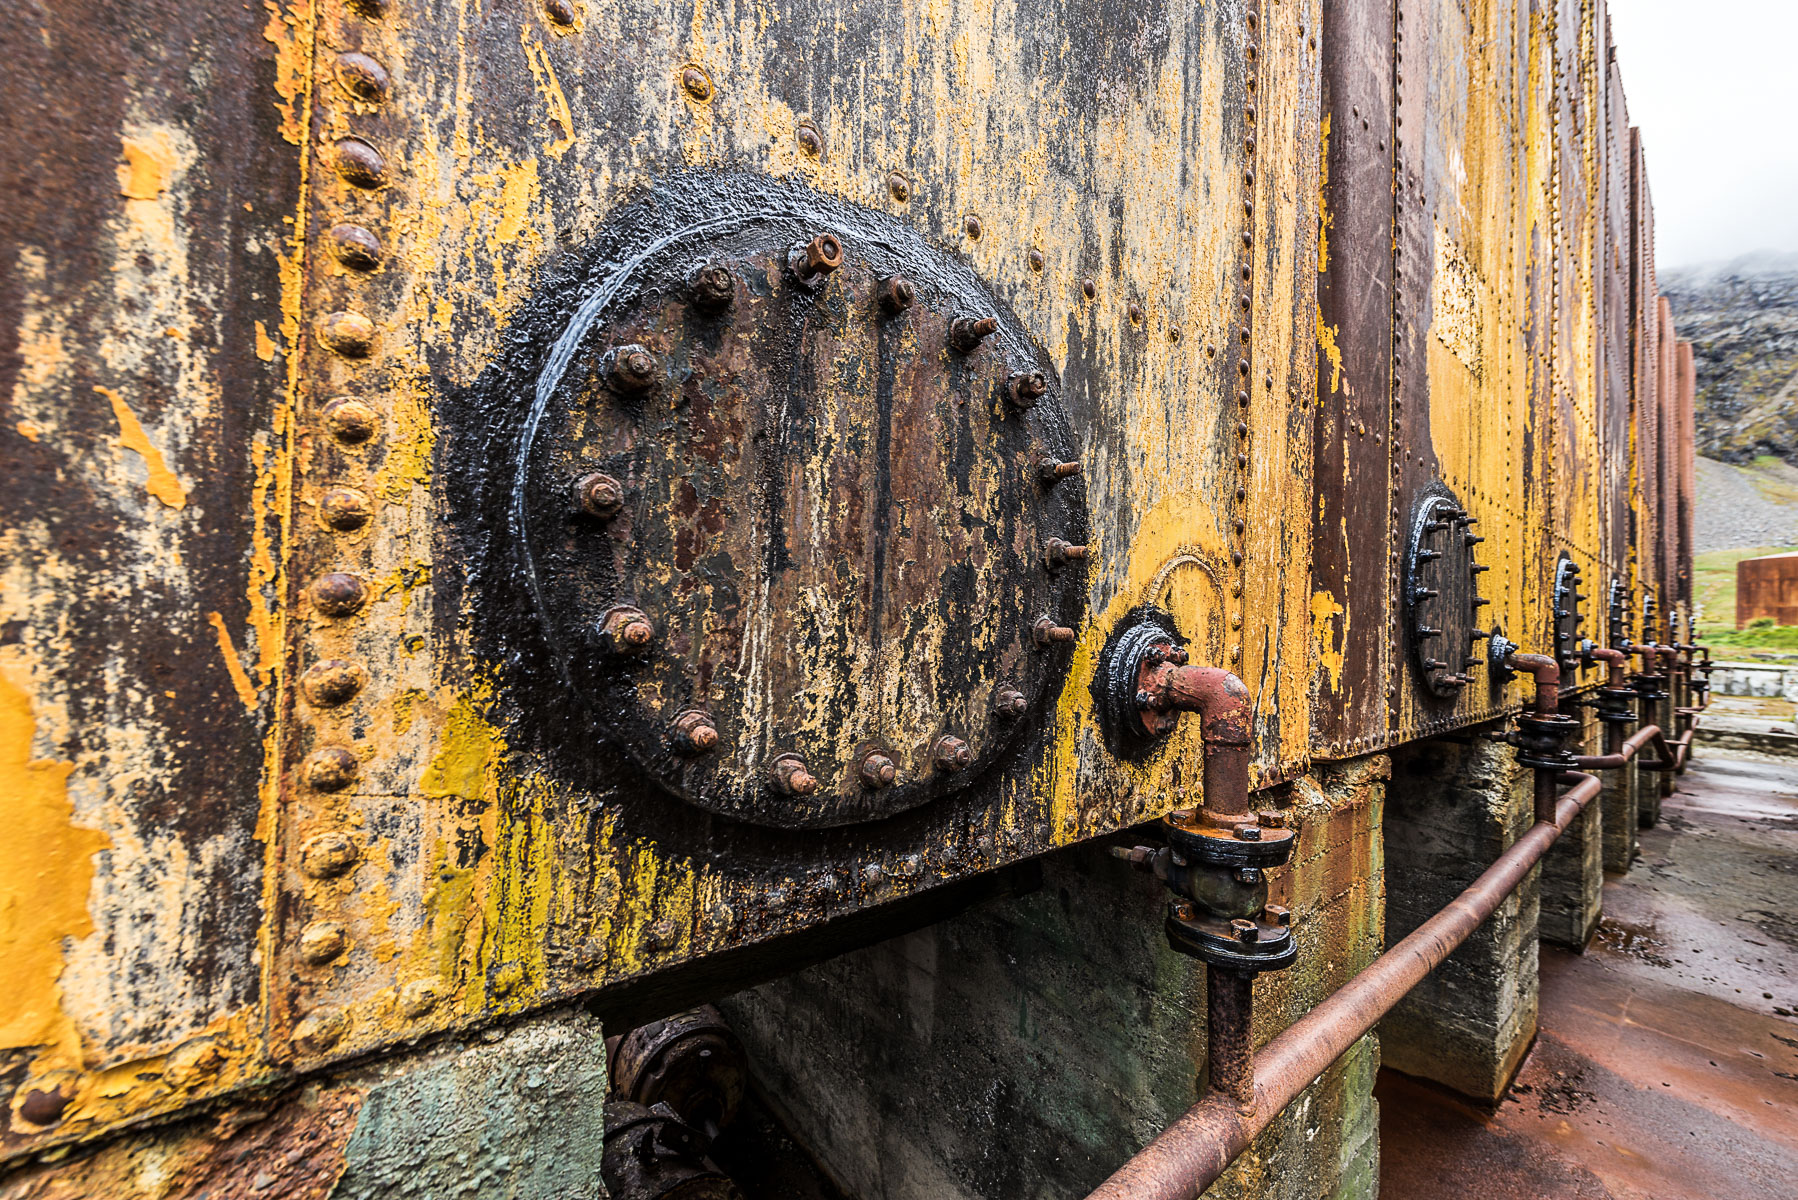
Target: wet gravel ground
<point>1666,1063</point>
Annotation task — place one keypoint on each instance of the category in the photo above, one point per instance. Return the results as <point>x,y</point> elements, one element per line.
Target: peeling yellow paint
<point>551,89</point>
<point>149,164</point>
<point>1326,341</point>
<point>240,679</point>
<point>44,882</point>
<point>1330,641</point>
<point>265,345</point>
<point>162,482</point>
<point>28,430</point>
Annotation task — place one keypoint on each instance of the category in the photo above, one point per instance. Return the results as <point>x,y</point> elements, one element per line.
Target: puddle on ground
<point>1637,941</point>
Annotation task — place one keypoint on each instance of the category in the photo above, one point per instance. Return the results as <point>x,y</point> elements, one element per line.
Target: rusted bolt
<point>629,369</point>
<point>362,77</point>
<point>696,83</point>
<point>322,941</point>
<point>950,753</point>
<point>626,631</point>
<point>338,594</point>
<point>43,1106</point>
<point>351,421</point>
<point>971,226</point>
<point>899,187</point>
<point>1035,259</point>
<point>348,333</point>
<point>359,163</point>
<point>1185,911</point>
<point>909,866</point>
<point>320,1029</point>
<point>344,509</point>
<point>1047,632</point>
<point>1024,388</point>
<point>1010,704</point>
<point>560,12</point>
<point>661,934</point>
<point>790,776</point>
<point>878,771</point>
<point>1051,472</point>
<point>694,732</point>
<point>332,682</point>
<point>330,769</point>
<point>1058,554</point>
<point>354,246</point>
<point>1245,930</point>
<point>712,287</point>
<point>897,293</point>
<point>1271,818</point>
<point>817,258</point>
<point>1088,288</point>
<point>1247,832</point>
<point>328,855</point>
<point>966,333</point>
<point>811,142</point>
<point>599,495</point>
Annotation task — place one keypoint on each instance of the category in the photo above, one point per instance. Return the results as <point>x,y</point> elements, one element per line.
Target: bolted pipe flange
<point>1649,685</point>
<point>1499,649</point>
<point>1233,844</point>
<point>1616,706</point>
<point>1263,943</point>
<point>691,1062</point>
<point>1542,741</point>
<point>650,1153</point>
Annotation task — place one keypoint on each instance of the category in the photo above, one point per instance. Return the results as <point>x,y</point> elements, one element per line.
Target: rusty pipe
<point>1229,1048</point>
<point>1191,1153</point>
<point>1547,673</point>
<point>1614,663</point>
<point>1623,754</point>
<point>1222,702</point>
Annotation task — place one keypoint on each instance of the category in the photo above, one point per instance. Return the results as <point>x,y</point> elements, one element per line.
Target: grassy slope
<point>1714,588</point>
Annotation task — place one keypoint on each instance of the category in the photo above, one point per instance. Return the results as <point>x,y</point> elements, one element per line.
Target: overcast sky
<point>1713,86</point>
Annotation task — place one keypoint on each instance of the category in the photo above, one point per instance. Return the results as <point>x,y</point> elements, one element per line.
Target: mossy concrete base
<point>1573,870</point>
<point>1618,801</point>
<point>1452,807</point>
<point>1027,1048</point>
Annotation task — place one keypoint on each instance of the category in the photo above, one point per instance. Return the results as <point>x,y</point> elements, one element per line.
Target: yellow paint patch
<point>1324,611</point>
<point>240,679</point>
<point>162,483</point>
<point>1326,341</point>
<point>265,345</point>
<point>44,881</point>
<point>551,89</point>
<point>28,431</point>
<point>148,166</point>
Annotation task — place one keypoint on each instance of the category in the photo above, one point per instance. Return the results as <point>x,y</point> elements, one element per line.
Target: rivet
<point>693,732</point>
<point>693,81</point>
<point>1088,288</point>
<point>877,771</point>
<point>1241,494</point>
<point>351,421</point>
<point>811,142</point>
<point>661,934</point>
<point>599,495</point>
<point>332,682</point>
<point>1035,258</point>
<point>898,186</point>
<point>338,594</point>
<point>790,777</point>
<point>628,368</point>
<point>344,509</point>
<point>1235,654</point>
<point>950,753</point>
<point>1242,429</point>
<point>362,77</point>
<point>1242,302</point>
<point>322,941</point>
<point>419,997</point>
<point>712,287</point>
<point>1248,238</point>
<point>971,226</point>
<point>1242,460</point>
<point>1009,704</point>
<point>330,769</point>
<point>626,631</point>
<point>320,1029</point>
<point>193,1062</point>
<point>328,855</point>
<point>1240,526</point>
<point>1236,620</point>
<point>360,163</point>
<point>1046,632</point>
<point>966,333</point>
<point>816,258</point>
<point>348,333</point>
<point>1242,366</point>
<point>1135,312</point>
<point>355,246</point>
<point>873,877</point>
<point>43,1106</point>
<point>1024,388</point>
<point>1248,143</point>
<point>897,293</point>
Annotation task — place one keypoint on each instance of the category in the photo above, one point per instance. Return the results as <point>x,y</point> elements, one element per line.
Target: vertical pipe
<point>1229,1015</point>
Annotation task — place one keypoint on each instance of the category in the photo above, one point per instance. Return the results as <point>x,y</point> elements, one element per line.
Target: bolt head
<point>1248,833</point>
<point>713,286</point>
<point>1271,818</point>
<point>1245,930</point>
<point>627,631</point>
<point>1185,911</point>
<point>1025,388</point>
<point>791,778</point>
<point>696,83</point>
<point>810,141</point>
<point>694,733</point>
<point>599,495</point>
<point>878,771</point>
<point>1010,704</point>
<point>1278,914</point>
<point>950,753</point>
<point>899,187</point>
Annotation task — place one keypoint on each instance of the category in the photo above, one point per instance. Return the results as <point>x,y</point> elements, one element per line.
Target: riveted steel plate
<point>842,524</point>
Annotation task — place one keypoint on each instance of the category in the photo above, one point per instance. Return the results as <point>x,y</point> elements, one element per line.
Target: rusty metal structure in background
<point>593,501</point>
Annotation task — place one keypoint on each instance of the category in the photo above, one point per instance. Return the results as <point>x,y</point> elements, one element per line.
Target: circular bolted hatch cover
<point>797,510</point>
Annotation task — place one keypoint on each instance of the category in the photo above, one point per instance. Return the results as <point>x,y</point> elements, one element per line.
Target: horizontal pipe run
<point>1191,1153</point>
<point>1610,762</point>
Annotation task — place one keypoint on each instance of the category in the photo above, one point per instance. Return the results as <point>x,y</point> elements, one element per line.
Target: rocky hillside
<point>1742,320</point>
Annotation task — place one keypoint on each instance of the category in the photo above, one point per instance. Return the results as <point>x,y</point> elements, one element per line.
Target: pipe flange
<point>1240,943</point>
<point>1649,686</point>
<point>1499,649</point>
<point>1243,843</point>
<point>1542,741</point>
<point>1616,706</point>
<point>1145,639</point>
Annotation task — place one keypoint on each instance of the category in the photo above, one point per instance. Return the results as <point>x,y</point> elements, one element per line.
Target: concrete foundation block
<point>1452,808</point>
<point>1027,1048</point>
<point>1573,870</point>
<point>1618,801</point>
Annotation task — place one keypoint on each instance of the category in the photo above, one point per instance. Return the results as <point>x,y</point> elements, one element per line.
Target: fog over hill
<point>1742,320</point>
